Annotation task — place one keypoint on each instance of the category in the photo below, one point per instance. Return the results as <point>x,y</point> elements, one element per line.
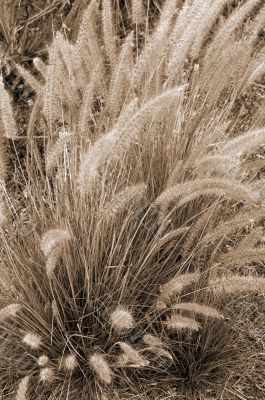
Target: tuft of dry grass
<point>119,289</point>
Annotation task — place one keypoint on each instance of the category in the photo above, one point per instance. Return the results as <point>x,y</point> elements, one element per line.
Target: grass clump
<point>118,290</point>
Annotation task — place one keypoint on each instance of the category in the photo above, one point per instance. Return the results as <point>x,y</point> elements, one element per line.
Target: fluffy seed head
<point>52,238</point>
<point>46,374</point>
<point>177,322</point>
<point>177,284</point>
<point>9,311</point>
<point>70,362</point>
<point>43,360</point>
<point>32,340</point>
<point>206,311</point>
<point>23,388</point>
<point>156,346</point>
<point>121,319</point>
<point>131,357</point>
<point>101,367</point>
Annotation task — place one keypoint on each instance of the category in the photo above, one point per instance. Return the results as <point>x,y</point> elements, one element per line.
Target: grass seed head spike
<point>177,322</point>
<point>101,368</point>
<point>177,284</point>
<point>196,308</point>
<point>131,357</point>
<point>121,319</point>
<point>46,375</point>
<point>52,238</point>
<point>23,389</point>
<point>9,311</point>
<point>70,362</point>
<point>43,360</point>
<point>32,340</point>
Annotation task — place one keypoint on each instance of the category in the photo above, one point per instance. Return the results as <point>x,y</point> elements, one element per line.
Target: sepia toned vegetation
<point>133,239</point>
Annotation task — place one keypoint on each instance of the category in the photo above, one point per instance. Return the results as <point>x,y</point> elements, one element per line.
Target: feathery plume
<point>119,85</point>
<point>131,357</point>
<point>52,260</point>
<point>9,125</point>
<point>121,319</point>
<point>101,367</point>
<point>109,32</point>
<point>176,233</point>
<point>180,52</point>
<point>52,103</point>
<point>158,41</point>
<point>29,79</point>
<point>234,284</point>
<point>218,164</point>
<point>156,346</point>
<point>137,11</point>
<point>23,388</point>
<point>56,150</point>
<point>52,238</point>
<point>86,106</point>
<point>32,340</point>
<point>46,374</point>
<point>40,65</point>
<point>243,143</point>
<point>70,362</point>
<point>206,23</point>
<point>115,142</point>
<point>43,360</point>
<point>196,308</point>
<point>225,32</point>
<point>227,228</point>
<point>9,311</point>
<point>121,200</point>
<point>197,187</point>
<point>177,322</point>
<point>87,37</point>
<point>177,284</point>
